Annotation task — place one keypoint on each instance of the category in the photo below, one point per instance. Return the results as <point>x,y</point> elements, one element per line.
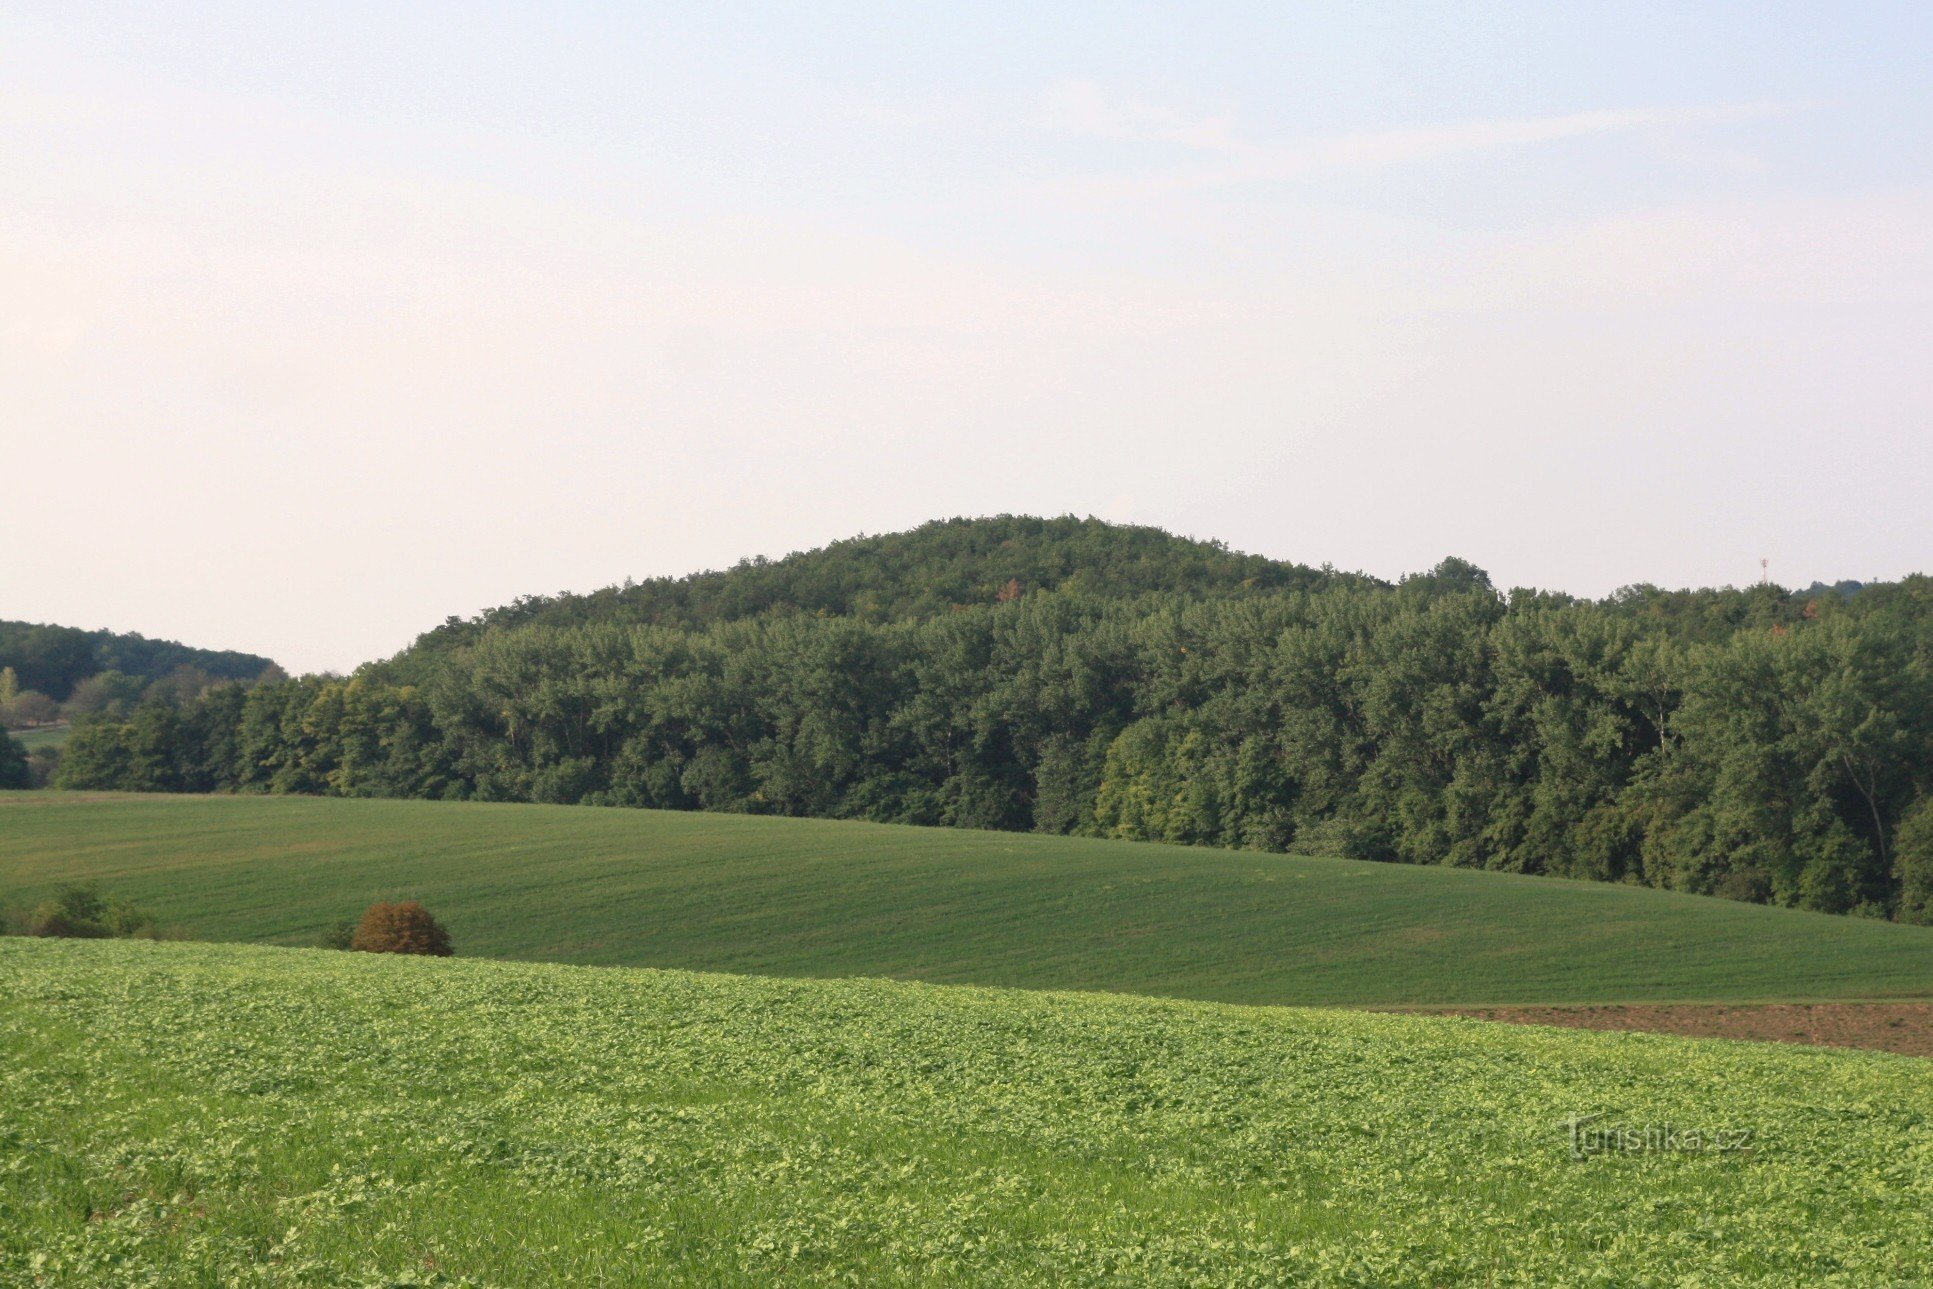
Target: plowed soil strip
<point>1906,1028</point>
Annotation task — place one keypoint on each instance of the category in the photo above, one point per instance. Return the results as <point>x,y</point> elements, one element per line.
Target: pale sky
<point>321,323</point>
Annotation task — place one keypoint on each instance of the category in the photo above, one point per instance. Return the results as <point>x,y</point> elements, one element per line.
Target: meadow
<point>222,1114</point>
<point>797,897</point>
<point>49,736</point>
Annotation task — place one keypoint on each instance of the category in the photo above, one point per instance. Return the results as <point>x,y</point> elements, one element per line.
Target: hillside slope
<point>218,1114</point>
<point>823,898</point>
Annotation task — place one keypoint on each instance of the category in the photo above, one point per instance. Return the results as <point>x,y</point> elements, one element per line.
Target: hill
<point>213,1114</point>
<point>52,660</point>
<point>1073,677</point>
<point>947,565</point>
<point>823,898</point>
<point>923,572</point>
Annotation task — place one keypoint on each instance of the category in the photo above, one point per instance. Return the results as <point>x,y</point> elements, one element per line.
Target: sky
<point>319,324</point>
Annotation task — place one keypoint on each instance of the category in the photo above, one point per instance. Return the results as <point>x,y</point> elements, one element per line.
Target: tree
<point>31,707</point>
<point>1913,863</point>
<point>96,757</point>
<point>182,685</point>
<point>107,693</point>
<point>15,769</point>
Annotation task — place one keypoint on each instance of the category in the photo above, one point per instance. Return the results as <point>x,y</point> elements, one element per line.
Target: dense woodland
<point>1076,677</point>
<point>55,661</point>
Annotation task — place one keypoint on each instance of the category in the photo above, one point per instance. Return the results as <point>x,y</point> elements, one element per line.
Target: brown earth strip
<point>1906,1028</point>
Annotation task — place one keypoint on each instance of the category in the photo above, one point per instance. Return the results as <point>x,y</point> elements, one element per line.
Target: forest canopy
<point>1073,676</point>
<point>53,660</point>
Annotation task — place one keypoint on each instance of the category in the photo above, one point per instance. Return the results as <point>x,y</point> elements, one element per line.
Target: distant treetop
<point>949,564</point>
<point>53,659</point>
<point>921,573</point>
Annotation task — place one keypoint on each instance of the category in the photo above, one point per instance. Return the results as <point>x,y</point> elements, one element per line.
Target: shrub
<point>340,936</point>
<point>54,922</point>
<point>401,928</point>
<point>83,913</point>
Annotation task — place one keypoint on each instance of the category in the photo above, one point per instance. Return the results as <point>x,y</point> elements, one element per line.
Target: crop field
<point>202,1114</point>
<point>815,898</point>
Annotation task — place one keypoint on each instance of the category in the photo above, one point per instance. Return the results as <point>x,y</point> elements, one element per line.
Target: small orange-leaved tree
<point>401,928</point>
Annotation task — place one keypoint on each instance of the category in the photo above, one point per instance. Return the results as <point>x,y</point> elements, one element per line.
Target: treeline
<point>50,675</point>
<point>54,660</point>
<point>1747,743</point>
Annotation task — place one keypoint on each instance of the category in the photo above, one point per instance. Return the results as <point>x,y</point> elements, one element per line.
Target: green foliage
<point>1913,859</point>
<point>826,898</point>
<point>1069,676</point>
<point>81,912</point>
<point>932,570</point>
<point>23,708</point>
<point>340,935</point>
<point>43,765</point>
<point>15,770</point>
<point>197,1114</point>
<point>109,694</point>
<point>401,928</point>
<point>56,659</point>
<point>96,756</point>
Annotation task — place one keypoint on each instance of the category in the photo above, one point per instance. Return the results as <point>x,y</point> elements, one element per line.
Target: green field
<point>221,1114</point>
<point>816,898</point>
<point>52,736</point>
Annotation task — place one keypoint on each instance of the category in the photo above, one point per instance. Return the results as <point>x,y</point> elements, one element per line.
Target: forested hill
<point>952,564</point>
<point>52,660</point>
<point>1071,676</point>
<point>933,569</point>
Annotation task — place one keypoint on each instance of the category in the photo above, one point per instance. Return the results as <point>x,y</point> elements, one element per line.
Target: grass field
<point>220,1114</point>
<point>816,898</point>
<point>51,736</point>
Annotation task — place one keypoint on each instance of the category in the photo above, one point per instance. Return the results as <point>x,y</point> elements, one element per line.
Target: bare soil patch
<point>1906,1028</point>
